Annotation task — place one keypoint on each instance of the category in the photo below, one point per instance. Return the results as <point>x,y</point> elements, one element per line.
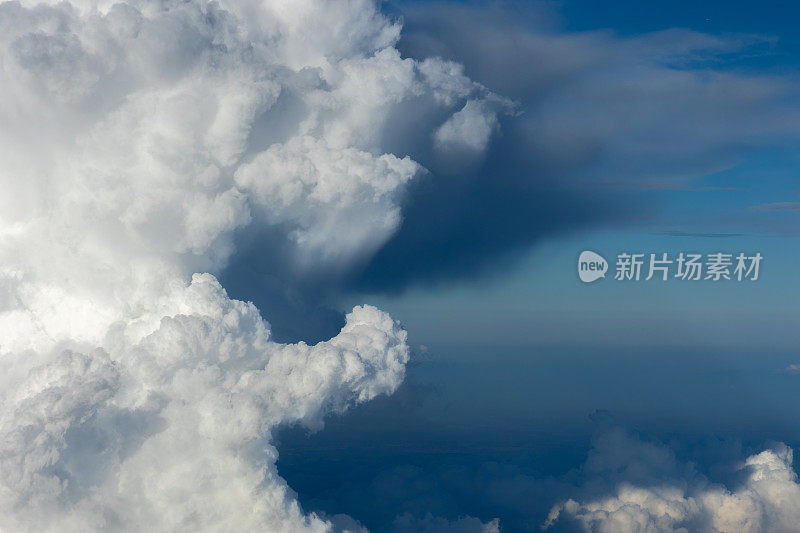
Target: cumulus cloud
<point>649,489</point>
<point>172,432</point>
<point>141,139</point>
<point>469,129</point>
<point>341,201</point>
<point>136,139</point>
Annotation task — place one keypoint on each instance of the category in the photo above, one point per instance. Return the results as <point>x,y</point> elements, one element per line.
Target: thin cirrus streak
<point>135,139</point>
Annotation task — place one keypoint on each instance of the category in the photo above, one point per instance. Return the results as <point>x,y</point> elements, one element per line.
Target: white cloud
<point>652,491</point>
<point>792,368</point>
<point>469,129</point>
<point>340,201</point>
<point>172,432</point>
<point>135,139</point>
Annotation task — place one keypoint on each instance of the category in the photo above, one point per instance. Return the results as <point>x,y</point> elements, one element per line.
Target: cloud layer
<point>634,485</point>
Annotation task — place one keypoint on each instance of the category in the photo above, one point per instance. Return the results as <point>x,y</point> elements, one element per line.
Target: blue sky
<point>706,211</point>
<point>629,17</point>
<point>516,360</point>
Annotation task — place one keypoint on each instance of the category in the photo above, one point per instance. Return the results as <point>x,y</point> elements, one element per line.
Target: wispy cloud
<point>700,234</point>
<point>776,206</point>
<point>793,368</point>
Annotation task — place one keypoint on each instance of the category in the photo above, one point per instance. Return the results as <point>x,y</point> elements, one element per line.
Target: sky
<point>738,200</point>
<point>313,266</point>
<point>525,368</point>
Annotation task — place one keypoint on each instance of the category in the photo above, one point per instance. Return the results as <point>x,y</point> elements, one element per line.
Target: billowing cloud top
<point>135,139</point>
<point>644,487</point>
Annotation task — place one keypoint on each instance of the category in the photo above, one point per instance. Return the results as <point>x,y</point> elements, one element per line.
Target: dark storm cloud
<point>467,225</point>
<point>596,120</point>
<point>594,110</point>
<point>297,304</point>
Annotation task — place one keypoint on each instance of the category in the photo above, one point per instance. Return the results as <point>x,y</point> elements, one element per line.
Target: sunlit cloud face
<point>634,485</point>
<point>135,139</point>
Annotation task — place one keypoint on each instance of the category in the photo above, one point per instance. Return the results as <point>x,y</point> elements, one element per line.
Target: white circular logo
<point>591,266</point>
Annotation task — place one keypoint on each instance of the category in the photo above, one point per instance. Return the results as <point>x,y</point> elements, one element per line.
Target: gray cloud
<point>660,105</point>
<point>598,118</point>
